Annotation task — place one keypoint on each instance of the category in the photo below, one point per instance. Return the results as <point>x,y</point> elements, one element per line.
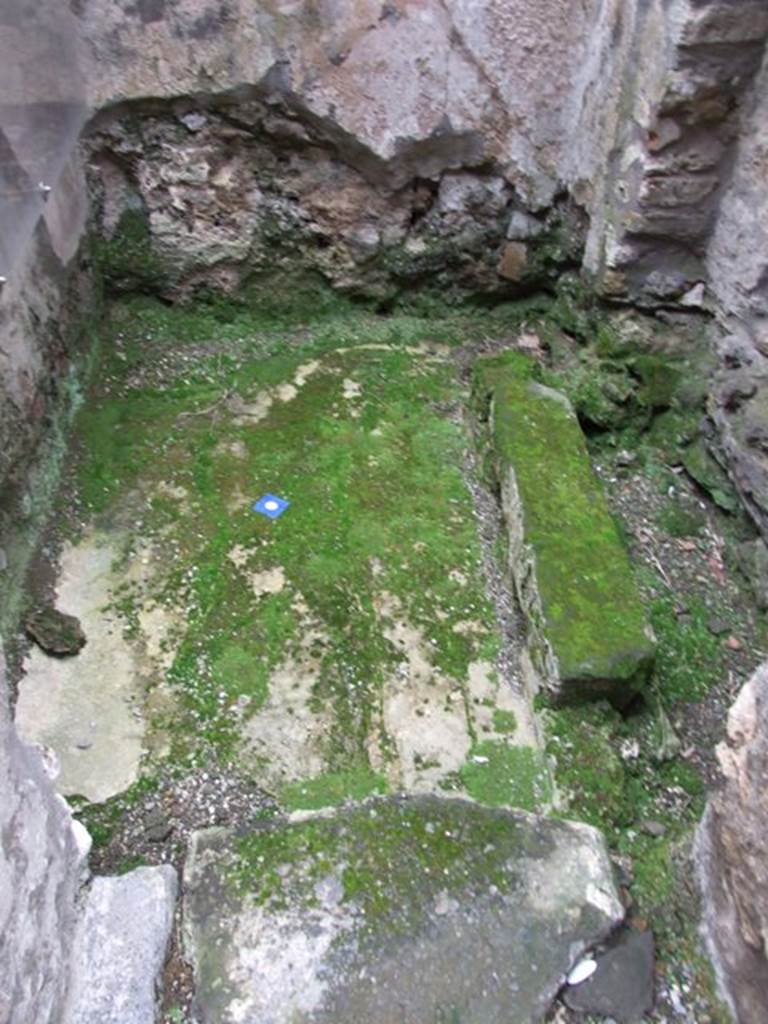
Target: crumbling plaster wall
<point>410,88</point>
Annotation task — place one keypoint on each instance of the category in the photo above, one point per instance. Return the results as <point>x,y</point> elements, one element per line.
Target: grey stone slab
<point>419,909</point>
<point>120,947</point>
<point>41,858</point>
<point>622,985</point>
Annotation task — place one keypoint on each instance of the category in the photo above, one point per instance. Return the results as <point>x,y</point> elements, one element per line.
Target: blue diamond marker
<point>271,506</point>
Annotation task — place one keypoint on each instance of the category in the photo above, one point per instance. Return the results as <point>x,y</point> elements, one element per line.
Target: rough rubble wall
<point>424,140</point>
<point>731,856</point>
<point>382,145</point>
<point>39,878</point>
<point>211,199</point>
<point>43,299</point>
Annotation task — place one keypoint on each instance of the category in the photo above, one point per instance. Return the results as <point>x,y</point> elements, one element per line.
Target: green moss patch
<point>500,775</point>
<point>394,855</point>
<point>354,420</point>
<point>708,473</point>
<point>589,772</point>
<point>332,788</point>
<point>504,721</point>
<point>127,260</point>
<point>593,615</point>
<point>691,660</point>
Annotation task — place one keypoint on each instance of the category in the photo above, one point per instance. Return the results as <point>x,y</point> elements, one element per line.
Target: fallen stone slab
<point>87,709</point>
<point>588,633</point>
<point>120,947</point>
<point>421,909</point>
<point>622,985</point>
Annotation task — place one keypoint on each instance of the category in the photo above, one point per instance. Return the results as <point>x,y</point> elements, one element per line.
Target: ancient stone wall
<point>667,88</point>
<point>43,307</point>
<point>737,256</point>
<point>383,145</point>
<point>731,856</point>
<point>39,877</point>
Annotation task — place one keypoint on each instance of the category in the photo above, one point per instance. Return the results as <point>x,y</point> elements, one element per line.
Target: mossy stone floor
<point>347,647</point>
<point>190,418</point>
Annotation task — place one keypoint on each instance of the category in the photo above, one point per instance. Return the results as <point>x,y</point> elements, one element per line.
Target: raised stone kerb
<point>589,634</point>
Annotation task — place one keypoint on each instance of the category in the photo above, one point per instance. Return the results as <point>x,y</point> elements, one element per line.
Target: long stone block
<point>588,633</point>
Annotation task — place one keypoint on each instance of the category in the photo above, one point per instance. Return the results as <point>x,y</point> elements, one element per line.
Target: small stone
<point>664,134</point>
<point>653,828</point>
<point>623,870</point>
<point>523,226</point>
<point>694,297</point>
<point>445,905</point>
<point>159,833</point>
<point>513,261</point>
<point>194,122</point>
<point>622,985</point>
<point>733,643</point>
<point>625,458</point>
<point>717,626</point>
<point>581,972</point>
<point>55,632</point>
<point>529,341</point>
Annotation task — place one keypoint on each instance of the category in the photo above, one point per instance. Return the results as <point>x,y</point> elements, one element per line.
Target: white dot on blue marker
<point>271,506</point>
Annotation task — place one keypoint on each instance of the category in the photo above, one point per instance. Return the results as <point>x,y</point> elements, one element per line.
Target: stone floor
<point>348,646</point>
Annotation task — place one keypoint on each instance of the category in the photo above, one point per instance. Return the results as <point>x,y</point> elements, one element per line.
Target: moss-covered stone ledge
<point>421,909</point>
<point>588,633</point>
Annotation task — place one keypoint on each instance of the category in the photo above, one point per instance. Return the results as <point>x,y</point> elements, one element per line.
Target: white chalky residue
<point>422,710</point>
<point>238,555</point>
<point>305,371</point>
<point>285,736</point>
<point>87,708</point>
<point>248,413</point>
<point>278,962</point>
<point>270,581</point>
